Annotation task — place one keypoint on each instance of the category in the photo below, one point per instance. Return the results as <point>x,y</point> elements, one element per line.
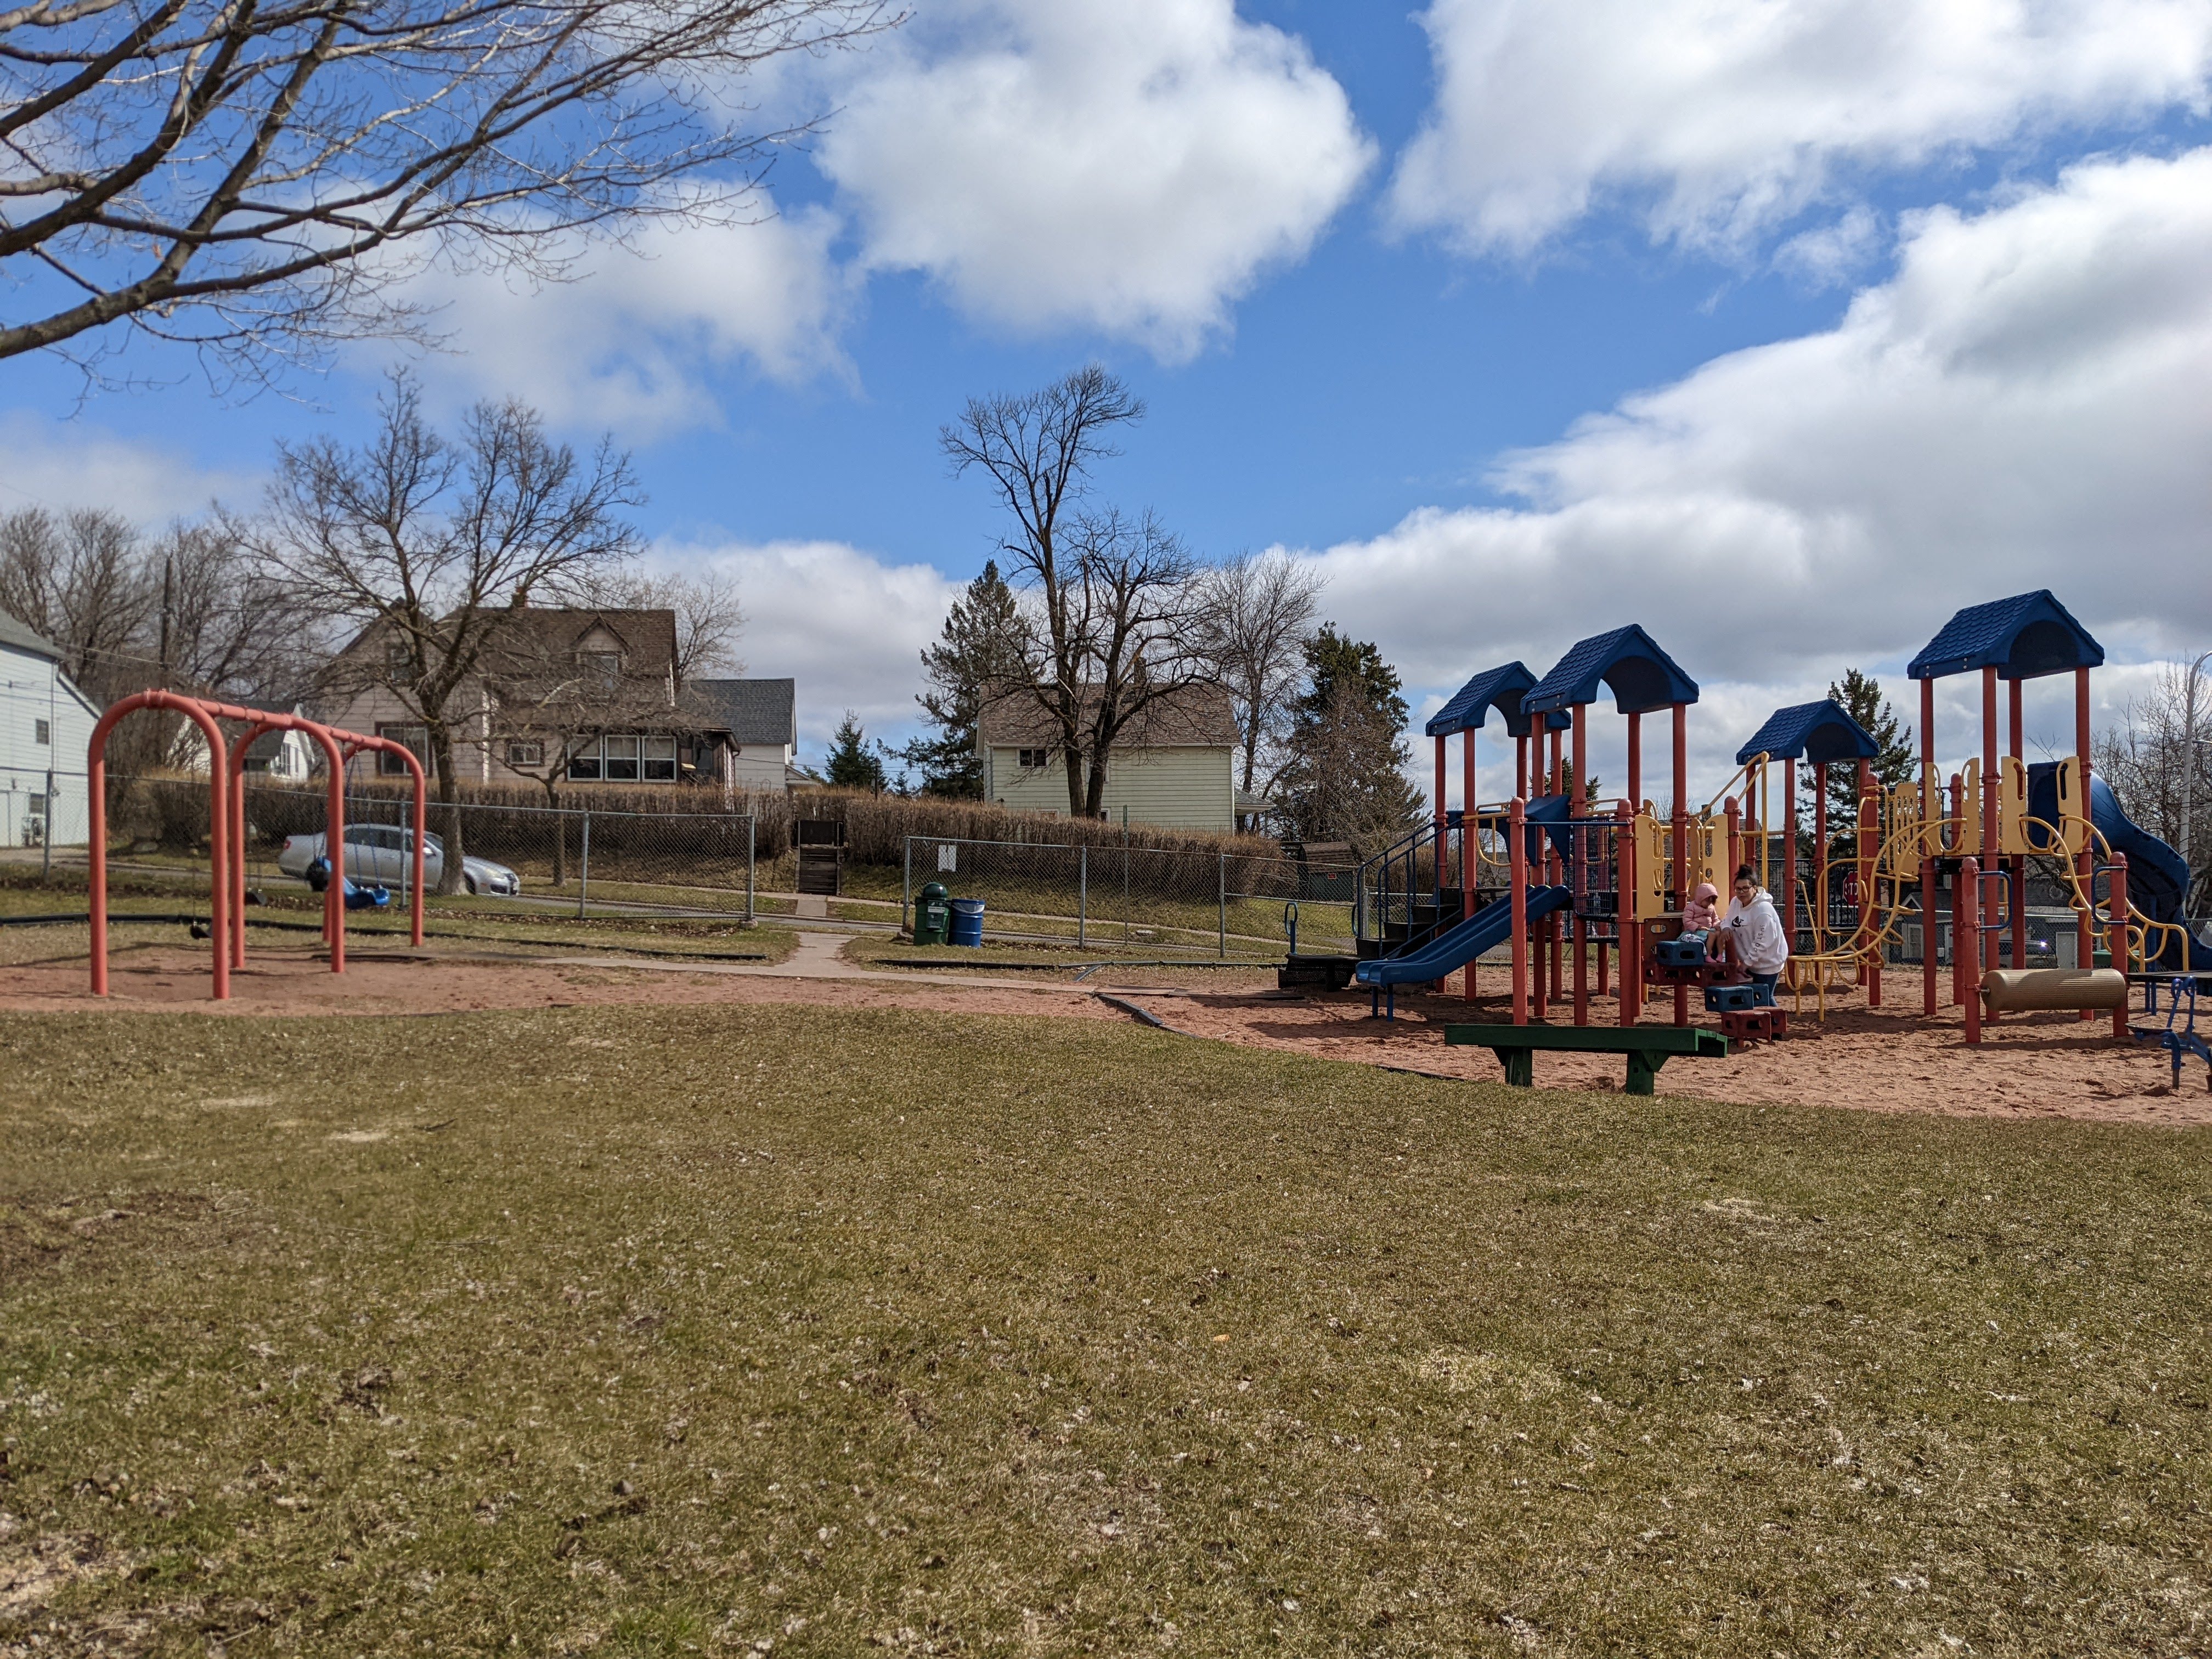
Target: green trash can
<point>933,914</point>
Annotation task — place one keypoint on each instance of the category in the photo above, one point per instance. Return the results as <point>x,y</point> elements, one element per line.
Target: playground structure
<point>1587,890</point>
<point>226,827</point>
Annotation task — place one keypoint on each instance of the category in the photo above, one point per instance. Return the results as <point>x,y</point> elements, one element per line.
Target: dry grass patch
<point>630,1331</point>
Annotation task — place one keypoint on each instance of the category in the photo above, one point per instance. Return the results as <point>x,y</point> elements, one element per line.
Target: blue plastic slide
<point>2158,880</point>
<point>1486,929</point>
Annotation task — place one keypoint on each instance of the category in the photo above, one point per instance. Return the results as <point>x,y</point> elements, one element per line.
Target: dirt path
<point>1887,1060</point>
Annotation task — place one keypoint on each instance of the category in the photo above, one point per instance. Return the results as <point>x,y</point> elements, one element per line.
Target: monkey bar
<point>226,825</point>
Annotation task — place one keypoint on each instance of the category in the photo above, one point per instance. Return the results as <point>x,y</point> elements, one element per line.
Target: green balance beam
<point>1647,1047</point>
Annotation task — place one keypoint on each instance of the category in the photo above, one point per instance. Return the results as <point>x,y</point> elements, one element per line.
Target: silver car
<point>385,853</point>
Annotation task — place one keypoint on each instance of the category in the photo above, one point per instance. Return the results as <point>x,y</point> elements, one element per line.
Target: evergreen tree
<point>853,761</point>
<point>980,648</point>
<point>1862,699</point>
<point>1345,778</point>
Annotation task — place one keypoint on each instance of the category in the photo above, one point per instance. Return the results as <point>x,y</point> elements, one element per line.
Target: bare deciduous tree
<point>426,544</point>
<point>256,178</point>
<point>81,579</point>
<point>1107,598</point>
<point>1254,614</point>
<point>2159,762</point>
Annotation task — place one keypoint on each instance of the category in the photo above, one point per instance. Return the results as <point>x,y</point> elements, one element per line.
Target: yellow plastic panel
<point>2073,810</point>
<point>1935,808</point>
<point>1966,832</point>
<point>2012,808</point>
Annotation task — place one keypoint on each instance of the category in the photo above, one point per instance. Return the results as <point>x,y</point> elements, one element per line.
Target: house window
<point>525,751</point>
<point>399,663</point>
<point>619,757</point>
<point>38,806</point>
<point>42,733</point>
<point>1036,760</point>
<point>415,737</point>
<point>584,765</point>
<point>605,666</point>
<point>660,760</point>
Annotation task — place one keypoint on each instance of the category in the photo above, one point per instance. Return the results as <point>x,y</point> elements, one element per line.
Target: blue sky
<point>1781,329</point>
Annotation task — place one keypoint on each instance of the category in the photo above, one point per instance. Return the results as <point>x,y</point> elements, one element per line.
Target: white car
<point>385,853</point>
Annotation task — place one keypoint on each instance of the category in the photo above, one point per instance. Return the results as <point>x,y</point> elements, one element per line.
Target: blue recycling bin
<point>967,921</point>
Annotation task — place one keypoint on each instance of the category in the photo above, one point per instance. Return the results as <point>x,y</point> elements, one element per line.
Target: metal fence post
<point>584,866</point>
<point>1223,883</point>
<point>906,887</point>
<point>751,831</point>
<point>1082,891</point>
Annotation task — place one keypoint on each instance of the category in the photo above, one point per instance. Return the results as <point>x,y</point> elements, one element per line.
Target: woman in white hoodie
<point>1754,929</point>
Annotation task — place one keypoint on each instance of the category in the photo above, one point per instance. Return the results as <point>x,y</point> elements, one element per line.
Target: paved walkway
<point>817,958</point>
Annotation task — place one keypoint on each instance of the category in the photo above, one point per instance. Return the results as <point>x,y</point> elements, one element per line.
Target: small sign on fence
<point>948,859</point>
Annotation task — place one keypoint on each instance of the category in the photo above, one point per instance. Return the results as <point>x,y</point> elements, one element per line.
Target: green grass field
<point>641,1331</point>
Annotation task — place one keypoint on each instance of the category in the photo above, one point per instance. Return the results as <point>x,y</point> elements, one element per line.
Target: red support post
<point>2116,937</point>
<point>1789,853</point>
<point>2085,936</point>
<point>1735,840</point>
<point>1521,766</point>
<point>1682,712</point>
<point>1579,809</point>
<point>1865,844</point>
<point>2017,864</point>
<point>1927,989</point>
<point>1990,946</point>
<point>1517,862</point>
<point>218,830</point>
<point>1470,846</point>
<point>1965,931</point>
<point>1625,878</point>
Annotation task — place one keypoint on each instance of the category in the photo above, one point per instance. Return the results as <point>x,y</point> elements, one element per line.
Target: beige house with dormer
<point>593,697</point>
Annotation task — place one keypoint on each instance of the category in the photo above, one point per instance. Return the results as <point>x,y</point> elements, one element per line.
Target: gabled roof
<point>1816,731</point>
<point>1194,716</point>
<point>1501,688</point>
<point>24,637</point>
<point>752,711</point>
<point>2022,637</point>
<point>1629,660</point>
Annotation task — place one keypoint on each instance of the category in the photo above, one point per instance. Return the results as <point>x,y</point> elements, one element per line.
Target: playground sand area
<point>1887,1060</point>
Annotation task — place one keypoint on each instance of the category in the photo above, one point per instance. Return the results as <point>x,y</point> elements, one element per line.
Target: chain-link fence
<point>1223,904</point>
<point>514,859</point>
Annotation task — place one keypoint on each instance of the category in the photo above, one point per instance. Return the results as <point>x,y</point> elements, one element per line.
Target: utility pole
<point>168,594</point>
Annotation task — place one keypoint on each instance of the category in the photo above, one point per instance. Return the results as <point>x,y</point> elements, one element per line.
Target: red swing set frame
<point>227,823</point>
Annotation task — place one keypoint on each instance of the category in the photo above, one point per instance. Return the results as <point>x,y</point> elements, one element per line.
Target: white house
<point>1174,765</point>
<point>45,723</point>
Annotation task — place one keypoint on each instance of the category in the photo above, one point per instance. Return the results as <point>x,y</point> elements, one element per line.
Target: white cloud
<point>628,341</point>
<point>848,627</point>
<point>62,464</point>
<point>1126,165</point>
<point>2026,404</point>
<point>1721,120</point>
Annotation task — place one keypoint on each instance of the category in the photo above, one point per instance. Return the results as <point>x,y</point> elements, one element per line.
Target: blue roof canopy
<point>1629,660</point>
<point>2023,637</point>
<point>1501,688</point>
<point>1817,731</point>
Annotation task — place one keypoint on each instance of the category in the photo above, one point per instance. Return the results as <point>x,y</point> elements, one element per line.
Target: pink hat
<point>1706,890</point>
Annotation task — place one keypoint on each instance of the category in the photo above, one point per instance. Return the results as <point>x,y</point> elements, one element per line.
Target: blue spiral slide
<point>2158,880</point>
